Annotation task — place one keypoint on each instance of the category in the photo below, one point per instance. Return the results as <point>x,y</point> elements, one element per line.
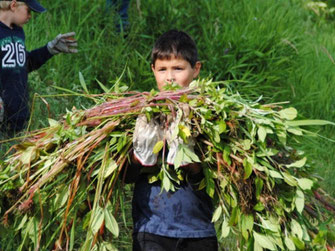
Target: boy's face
<point>22,14</point>
<point>174,70</point>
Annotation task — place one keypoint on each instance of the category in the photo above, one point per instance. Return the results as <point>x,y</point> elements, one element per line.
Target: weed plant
<point>276,49</point>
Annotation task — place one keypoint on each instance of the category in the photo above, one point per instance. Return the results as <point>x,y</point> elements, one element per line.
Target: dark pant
<point>122,8</point>
<point>152,242</point>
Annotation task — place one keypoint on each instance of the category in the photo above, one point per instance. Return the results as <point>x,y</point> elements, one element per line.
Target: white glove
<point>145,137</point>
<point>2,110</point>
<point>63,43</point>
<point>175,144</point>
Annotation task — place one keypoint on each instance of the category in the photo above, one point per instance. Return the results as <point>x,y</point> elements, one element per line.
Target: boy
<point>16,62</point>
<point>179,220</point>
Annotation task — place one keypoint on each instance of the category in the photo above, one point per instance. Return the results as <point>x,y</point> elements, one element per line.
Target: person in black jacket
<point>16,62</point>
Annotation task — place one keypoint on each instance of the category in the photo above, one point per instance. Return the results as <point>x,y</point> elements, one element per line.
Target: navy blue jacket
<point>16,63</point>
<point>185,213</point>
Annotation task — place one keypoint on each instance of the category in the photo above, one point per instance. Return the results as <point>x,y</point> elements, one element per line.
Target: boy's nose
<point>170,77</point>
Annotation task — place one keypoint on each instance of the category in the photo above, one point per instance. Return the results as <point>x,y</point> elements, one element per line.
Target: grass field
<point>278,49</point>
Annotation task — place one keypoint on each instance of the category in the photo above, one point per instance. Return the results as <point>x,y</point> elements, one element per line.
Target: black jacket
<point>16,63</point>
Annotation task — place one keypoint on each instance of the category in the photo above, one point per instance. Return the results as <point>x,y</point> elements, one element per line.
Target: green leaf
<point>264,241</point>
<point>300,201</point>
<point>289,179</point>
<point>308,122</point>
<point>98,219</point>
<point>257,247</point>
<point>190,153</point>
<point>110,168</point>
<point>102,86</point>
<point>179,157</point>
<point>259,186</point>
<point>281,134</point>
<point>295,131</point>
<point>275,174</point>
<point>110,221</point>
<point>261,133</point>
<point>184,132</point>
<point>53,123</point>
<point>267,152</point>
<point>247,168</point>
<point>298,243</point>
<point>247,223</point>
<point>158,146</point>
<point>306,236</point>
<point>72,234</point>
<point>259,207</point>
<point>305,184</point>
<point>22,223</point>
<point>83,83</point>
<point>210,185</point>
<point>222,126</point>
<point>296,229</point>
<point>28,155</point>
<point>288,113</point>
<point>61,198</point>
<point>166,183</point>
<point>234,216</point>
<point>246,144</point>
<point>217,214</point>
<point>298,164</point>
<point>33,230</point>
<point>225,229</point>
<point>289,243</point>
<point>107,246</point>
<point>226,155</point>
<point>267,224</point>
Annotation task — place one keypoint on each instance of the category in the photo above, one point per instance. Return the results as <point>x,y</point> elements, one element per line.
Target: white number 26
<point>15,55</point>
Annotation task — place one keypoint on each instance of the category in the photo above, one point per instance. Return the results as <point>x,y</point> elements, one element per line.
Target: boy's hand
<point>174,142</point>
<point>146,135</point>
<point>63,43</point>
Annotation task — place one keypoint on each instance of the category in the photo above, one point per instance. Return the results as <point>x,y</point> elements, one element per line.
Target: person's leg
<point>152,242</point>
<point>198,244</point>
<point>122,8</point>
<point>123,11</point>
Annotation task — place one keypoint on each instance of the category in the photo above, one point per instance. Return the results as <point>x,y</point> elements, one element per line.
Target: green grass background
<point>279,49</point>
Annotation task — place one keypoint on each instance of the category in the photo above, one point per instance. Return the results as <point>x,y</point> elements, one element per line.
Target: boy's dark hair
<point>175,43</point>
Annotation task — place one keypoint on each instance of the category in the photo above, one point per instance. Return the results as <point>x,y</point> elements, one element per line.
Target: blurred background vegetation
<point>282,50</point>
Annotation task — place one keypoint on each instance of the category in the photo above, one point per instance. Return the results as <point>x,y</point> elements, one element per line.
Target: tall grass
<point>273,48</point>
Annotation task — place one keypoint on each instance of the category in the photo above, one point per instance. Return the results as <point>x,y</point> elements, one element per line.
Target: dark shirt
<point>185,213</point>
<point>16,62</point>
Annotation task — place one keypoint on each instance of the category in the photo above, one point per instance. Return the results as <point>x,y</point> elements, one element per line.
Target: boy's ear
<point>197,68</point>
<point>152,67</point>
<point>13,5</point>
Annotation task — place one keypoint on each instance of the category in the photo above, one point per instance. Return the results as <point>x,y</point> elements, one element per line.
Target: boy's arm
<point>132,171</point>
<point>146,135</point>
<point>38,57</point>
<point>63,43</point>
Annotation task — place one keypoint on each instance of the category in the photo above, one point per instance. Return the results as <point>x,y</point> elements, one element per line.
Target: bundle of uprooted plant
<point>62,186</point>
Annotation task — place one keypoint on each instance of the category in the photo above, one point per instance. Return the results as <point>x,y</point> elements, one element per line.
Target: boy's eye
<point>162,69</point>
<point>179,68</point>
